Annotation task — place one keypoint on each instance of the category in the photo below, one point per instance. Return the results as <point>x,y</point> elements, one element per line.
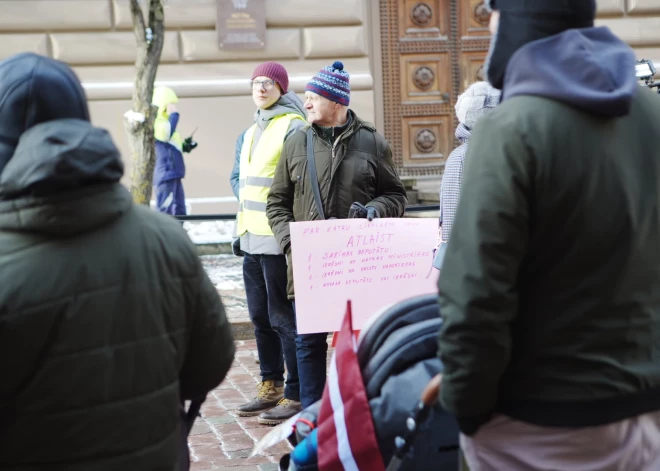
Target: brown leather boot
<point>270,393</point>
<point>285,409</point>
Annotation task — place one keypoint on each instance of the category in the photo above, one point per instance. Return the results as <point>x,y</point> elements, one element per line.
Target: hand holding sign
<point>373,263</point>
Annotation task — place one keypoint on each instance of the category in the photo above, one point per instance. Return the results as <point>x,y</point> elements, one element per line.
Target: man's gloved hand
<point>188,144</point>
<point>358,210</point>
<point>236,247</point>
<point>372,213</point>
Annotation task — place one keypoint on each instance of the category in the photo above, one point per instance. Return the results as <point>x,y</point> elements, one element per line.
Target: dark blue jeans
<point>274,319</point>
<point>312,352</point>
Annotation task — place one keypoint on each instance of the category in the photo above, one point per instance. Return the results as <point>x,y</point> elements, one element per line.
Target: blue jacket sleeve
<point>174,120</point>
<point>234,178</point>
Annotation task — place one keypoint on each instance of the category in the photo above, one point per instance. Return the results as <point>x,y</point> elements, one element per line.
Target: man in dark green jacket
<point>550,284</point>
<point>107,319</point>
<point>356,178</point>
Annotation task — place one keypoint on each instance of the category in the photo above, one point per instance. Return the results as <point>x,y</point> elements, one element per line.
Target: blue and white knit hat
<point>332,83</point>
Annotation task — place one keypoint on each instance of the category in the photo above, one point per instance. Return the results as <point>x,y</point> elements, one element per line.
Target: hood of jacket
<point>588,68</point>
<point>288,103</point>
<point>33,90</point>
<point>164,96</point>
<point>63,179</point>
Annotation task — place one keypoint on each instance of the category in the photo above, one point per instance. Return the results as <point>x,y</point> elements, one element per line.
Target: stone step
<point>242,329</point>
<point>226,273</point>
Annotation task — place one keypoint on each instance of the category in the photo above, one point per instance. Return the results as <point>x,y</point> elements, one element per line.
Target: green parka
<point>107,318</point>
<point>550,286</point>
<point>357,167</point>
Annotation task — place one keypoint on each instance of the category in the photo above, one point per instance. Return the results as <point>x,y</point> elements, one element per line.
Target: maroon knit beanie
<point>275,72</point>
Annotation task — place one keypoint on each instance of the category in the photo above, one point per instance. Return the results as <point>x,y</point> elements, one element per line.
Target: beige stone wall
<point>635,21</point>
<point>96,38</point>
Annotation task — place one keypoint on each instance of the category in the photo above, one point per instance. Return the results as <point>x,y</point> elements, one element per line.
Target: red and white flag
<point>346,436</point>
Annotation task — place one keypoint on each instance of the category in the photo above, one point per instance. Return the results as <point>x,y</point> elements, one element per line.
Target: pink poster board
<point>373,264</point>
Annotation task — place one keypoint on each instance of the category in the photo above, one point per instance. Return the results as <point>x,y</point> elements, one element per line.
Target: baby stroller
<point>397,354</point>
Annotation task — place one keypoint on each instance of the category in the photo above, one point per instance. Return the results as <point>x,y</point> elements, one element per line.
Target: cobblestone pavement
<point>222,440</point>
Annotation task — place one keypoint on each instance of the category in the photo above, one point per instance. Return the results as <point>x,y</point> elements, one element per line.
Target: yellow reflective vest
<point>257,172</point>
<point>164,96</point>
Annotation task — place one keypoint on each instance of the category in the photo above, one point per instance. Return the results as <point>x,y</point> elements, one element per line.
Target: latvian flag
<point>346,436</point>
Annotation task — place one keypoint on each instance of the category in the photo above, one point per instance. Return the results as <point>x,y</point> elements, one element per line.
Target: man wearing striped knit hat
<point>355,177</point>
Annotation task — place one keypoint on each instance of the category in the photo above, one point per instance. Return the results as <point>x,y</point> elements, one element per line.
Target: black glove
<point>188,144</point>
<point>236,247</point>
<point>358,210</point>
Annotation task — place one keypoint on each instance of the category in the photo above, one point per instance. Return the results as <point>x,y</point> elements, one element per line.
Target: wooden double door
<point>431,52</point>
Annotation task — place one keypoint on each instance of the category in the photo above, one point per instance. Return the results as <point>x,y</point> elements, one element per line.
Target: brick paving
<point>222,440</point>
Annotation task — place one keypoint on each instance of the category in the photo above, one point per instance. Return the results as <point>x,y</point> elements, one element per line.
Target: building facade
<point>408,62</point>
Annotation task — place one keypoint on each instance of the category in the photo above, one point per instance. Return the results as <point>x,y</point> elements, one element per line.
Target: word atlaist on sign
<point>374,264</point>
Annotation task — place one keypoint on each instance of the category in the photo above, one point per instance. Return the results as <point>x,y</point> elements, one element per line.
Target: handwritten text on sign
<point>373,264</point>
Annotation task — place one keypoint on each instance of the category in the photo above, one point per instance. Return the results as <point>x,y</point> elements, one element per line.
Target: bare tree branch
<point>156,14</point>
<point>154,48</point>
<point>140,123</point>
<point>138,23</point>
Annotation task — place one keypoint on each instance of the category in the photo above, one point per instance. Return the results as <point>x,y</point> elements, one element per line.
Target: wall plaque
<point>241,24</point>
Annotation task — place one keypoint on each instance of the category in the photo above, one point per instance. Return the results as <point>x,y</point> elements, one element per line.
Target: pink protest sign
<point>373,264</point>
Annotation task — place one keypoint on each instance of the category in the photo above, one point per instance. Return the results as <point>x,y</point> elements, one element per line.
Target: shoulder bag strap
<point>311,168</point>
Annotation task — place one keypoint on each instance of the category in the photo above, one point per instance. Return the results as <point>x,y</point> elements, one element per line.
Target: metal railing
<point>415,208</point>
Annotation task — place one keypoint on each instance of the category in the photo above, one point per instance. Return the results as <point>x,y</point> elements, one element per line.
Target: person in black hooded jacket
<point>103,332</point>
<point>549,288</point>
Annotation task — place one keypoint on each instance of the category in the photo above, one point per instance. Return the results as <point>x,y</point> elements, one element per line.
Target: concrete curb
<point>242,330</point>
<point>222,248</point>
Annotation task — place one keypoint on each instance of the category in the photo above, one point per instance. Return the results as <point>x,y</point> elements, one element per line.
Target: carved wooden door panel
<point>431,52</point>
